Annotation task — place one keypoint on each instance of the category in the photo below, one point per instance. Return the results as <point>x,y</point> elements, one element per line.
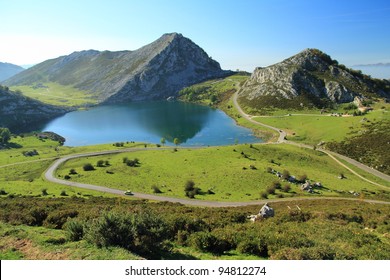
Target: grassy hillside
<point>312,129</point>
<point>57,94</point>
<point>76,228</point>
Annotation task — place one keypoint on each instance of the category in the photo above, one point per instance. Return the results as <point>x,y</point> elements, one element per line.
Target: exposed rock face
<point>155,71</point>
<point>315,74</point>
<point>266,211</point>
<point>17,111</point>
<point>7,70</point>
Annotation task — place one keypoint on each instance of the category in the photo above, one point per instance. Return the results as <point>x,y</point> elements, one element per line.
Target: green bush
<point>57,218</point>
<point>74,230</point>
<point>207,242</point>
<point>88,167</point>
<point>253,247</point>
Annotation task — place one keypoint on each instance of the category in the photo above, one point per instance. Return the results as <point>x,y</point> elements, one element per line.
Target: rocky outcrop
<point>18,111</point>
<point>314,74</point>
<point>155,71</point>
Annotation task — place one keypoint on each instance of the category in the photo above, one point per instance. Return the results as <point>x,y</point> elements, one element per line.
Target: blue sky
<point>238,34</point>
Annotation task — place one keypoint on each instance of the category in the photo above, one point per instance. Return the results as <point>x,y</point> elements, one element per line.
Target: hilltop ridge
<point>310,77</point>
<point>155,71</point>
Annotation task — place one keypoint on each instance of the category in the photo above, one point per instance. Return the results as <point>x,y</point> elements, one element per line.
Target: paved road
<point>333,155</point>
<point>49,175</point>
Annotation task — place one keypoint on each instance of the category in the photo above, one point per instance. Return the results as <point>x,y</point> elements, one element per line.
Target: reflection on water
<point>149,122</point>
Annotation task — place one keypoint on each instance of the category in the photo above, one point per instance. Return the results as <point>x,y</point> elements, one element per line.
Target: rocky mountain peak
<point>310,77</point>
<point>155,71</point>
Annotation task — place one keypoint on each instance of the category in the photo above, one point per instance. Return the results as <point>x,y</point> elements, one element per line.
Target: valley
<point>59,201</point>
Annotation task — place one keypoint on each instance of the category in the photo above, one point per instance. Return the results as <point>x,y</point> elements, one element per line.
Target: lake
<point>192,124</point>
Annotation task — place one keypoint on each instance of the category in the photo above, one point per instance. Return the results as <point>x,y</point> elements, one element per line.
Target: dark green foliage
<point>139,232</point>
<point>286,188</point>
<point>72,172</point>
<point>5,135</point>
<point>156,189</point>
<point>38,215</point>
<point>74,230</point>
<point>207,242</point>
<point>302,178</point>
<point>88,167</point>
<point>131,162</point>
<point>57,218</point>
<point>323,229</point>
<point>63,193</point>
<point>370,146</point>
<point>44,192</point>
<point>190,189</point>
<point>67,177</point>
<point>3,192</point>
<point>100,163</point>
<point>271,190</point>
<point>253,247</point>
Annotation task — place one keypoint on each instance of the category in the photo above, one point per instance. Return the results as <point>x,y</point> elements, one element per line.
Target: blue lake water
<point>193,125</point>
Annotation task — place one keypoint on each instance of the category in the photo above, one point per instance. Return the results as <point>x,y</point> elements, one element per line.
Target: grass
<point>31,243</point>
<point>232,173</point>
<point>314,129</point>
<point>21,175</point>
<point>57,94</point>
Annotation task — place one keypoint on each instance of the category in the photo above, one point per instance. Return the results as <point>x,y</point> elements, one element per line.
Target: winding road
<point>50,174</point>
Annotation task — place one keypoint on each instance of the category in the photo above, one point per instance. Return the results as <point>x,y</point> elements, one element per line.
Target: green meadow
<point>314,129</point>
<point>57,94</point>
<point>229,173</point>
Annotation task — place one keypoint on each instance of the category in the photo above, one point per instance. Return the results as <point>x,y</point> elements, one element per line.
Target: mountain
<point>310,78</point>
<point>18,111</point>
<point>155,71</point>
<point>7,70</point>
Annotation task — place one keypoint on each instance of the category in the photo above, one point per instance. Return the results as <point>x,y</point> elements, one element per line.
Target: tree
<point>163,141</point>
<point>88,167</point>
<point>5,135</point>
<point>176,141</point>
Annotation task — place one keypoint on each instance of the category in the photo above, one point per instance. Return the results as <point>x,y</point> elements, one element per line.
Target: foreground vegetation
<point>97,228</point>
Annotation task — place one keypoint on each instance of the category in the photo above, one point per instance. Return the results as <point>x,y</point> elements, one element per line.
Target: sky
<point>238,34</point>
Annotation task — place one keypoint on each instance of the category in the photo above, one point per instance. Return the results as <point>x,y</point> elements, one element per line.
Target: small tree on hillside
<point>5,135</point>
<point>176,141</point>
<point>88,167</point>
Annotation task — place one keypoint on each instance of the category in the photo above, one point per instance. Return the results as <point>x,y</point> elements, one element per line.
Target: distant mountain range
<point>310,78</point>
<point>8,70</point>
<point>373,65</point>
<point>155,71</point>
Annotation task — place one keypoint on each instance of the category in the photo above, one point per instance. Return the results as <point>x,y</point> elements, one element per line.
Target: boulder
<point>266,211</point>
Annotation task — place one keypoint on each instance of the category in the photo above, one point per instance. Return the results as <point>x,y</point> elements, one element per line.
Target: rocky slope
<point>17,111</point>
<point>8,70</point>
<point>310,77</point>
<point>155,71</point>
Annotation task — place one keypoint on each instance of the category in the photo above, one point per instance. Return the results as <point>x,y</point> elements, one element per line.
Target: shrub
<point>285,174</point>
<point>302,178</point>
<point>3,192</point>
<point>38,216</point>
<point>138,232</point>
<point>100,163</point>
<point>286,188</point>
<point>277,185</point>
<point>67,177</point>
<point>63,193</point>
<point>156,189</point>
<point>271,190</point>
<point>88,167</point>
<point>253,247</point>
<point>264,195</point>
<point>72,171</point>
<point>74,230</point>
<point>56,219</point>
<point>207,242</point>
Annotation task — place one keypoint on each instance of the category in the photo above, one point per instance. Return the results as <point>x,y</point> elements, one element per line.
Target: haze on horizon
<point>240,35</point>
